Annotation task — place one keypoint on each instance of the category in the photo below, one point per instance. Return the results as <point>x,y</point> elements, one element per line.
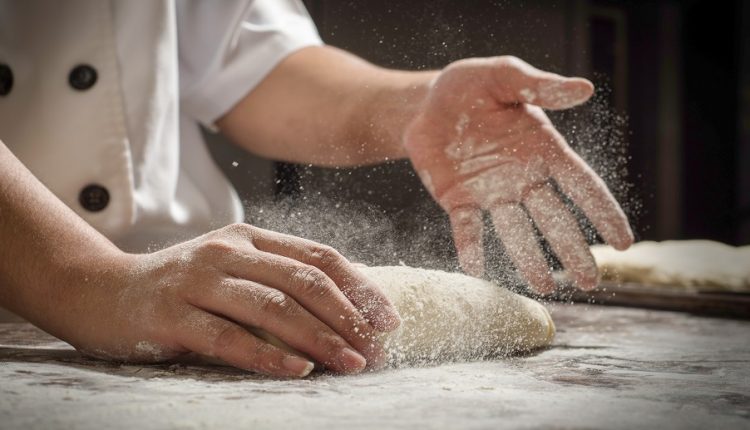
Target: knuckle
<point>215,247</point>
<point>261,352</point>
<point>464,63</point>
<point>228,338</point>
<point>465,218</point>
<point>237,226</point>
<point>510,62</point>
<point>276,302</point>
<point>310,280</point>
<point>239,230</point>
<point>326,341</point>
<point>326,258</point>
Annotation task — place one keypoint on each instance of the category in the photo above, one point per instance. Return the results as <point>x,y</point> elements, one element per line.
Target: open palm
<point>483,143</point>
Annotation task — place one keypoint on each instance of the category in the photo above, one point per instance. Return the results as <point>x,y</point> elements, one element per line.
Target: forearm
<point>327,107</point>
<point>48,253</point>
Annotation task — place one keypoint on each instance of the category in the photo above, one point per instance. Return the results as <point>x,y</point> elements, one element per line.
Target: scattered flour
<point>528,95</point>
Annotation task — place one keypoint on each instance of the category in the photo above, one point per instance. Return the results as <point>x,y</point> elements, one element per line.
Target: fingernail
<point>385,319</point>
<point>299,366</point>
<point>544,286</point>
<point>390,319</point>
<point>586,283</point>
<point>624,243</point>
<point>585,277</point>
<point>350,360</point>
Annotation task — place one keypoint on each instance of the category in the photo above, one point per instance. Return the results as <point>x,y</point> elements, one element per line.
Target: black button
<point>6,79</point>
<point>94,198</point>
<point>82,77</point>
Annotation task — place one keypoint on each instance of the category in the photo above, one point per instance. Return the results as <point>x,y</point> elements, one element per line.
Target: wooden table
<point>609,367</point>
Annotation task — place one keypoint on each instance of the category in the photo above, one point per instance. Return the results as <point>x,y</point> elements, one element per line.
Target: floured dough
<point>695,264</point>
<point>453,317</point>
<point>450,317</point>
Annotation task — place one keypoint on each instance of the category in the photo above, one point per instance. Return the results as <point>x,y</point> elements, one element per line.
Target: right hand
<point>199,296</point>
<point>482,143</point>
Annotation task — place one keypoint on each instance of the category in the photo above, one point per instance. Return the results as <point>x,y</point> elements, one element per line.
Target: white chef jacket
<point>102,101</point>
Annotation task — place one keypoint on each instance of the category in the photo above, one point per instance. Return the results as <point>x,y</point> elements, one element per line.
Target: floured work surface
<point>608,367</point>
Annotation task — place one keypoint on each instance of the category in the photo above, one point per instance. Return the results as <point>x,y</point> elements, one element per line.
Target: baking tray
<point>671,298</point>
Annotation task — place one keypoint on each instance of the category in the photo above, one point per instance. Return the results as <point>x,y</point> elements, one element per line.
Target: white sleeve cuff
<point>264,33</point>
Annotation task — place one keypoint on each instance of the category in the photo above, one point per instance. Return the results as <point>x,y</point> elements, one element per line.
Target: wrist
<point>388,102</point>
<point>62,293</point>
<point>414,90</point>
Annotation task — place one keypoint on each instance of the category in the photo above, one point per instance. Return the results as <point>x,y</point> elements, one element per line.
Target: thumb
<point>520,82</point>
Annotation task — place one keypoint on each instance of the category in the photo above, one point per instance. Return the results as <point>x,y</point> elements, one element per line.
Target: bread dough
<point>454,317</point>
<point>699,265</point>
<point>451,317</point>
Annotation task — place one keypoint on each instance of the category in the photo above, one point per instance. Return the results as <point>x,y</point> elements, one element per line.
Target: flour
<point>635,367</point>
<point>528,95</point>
<point>556,93</point>
<point>149,350</point>
<point>467,148</point>
<point>463,122</point>
<point>482,162</point>
<point>562,95</point>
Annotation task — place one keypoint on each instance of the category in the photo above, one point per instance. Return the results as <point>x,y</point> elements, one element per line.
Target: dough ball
<point>454,317</point>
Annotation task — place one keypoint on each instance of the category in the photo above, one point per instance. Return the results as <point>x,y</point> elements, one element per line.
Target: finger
<point>277,313</point>
<point>215,337</point>
<point>587,190</point>
<point>561,230</point>
<point>312,289</point>
<point>514,227</point>
<point>520,82</point>
<point>467,226</point>
<point>362,292</point>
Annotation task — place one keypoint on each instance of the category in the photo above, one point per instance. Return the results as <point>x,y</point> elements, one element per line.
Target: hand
<point>201,295</point>
<point>482,142</point>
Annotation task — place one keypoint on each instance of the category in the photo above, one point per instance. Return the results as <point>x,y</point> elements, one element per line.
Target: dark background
<point>669,129</point>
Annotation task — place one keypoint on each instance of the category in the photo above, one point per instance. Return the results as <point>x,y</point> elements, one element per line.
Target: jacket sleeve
<point>227,47</point>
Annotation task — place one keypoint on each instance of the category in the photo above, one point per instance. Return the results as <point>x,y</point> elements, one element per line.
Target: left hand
<point>481,141</point>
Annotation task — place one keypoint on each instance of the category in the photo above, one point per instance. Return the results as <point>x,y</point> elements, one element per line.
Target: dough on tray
<point>700,265</point>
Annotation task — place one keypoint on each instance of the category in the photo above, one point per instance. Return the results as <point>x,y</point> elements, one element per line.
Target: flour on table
<point>695,264</point>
